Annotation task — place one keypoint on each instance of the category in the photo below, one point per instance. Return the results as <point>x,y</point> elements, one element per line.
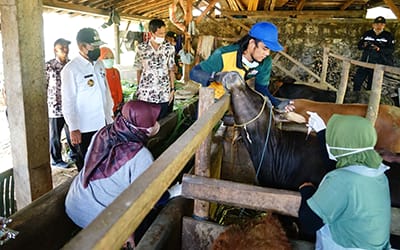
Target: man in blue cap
<point>250,57</point>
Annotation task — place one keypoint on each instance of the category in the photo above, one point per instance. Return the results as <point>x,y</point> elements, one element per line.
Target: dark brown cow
<point>286,159</point>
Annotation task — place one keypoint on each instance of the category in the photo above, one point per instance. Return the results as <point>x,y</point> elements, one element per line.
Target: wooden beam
<point>299,14</point>
<point>393,7</point>
<point>241,195</point>
<point>253,197</point>
<point>210,6</point>
<point>87,10</point>
<point>113,226</point>
<point>252,5</point>
<point>300,5</point>
<point>390,69</point>
<point>300,65</point>
<point>346,4</point>
<point>237,22</point>
<point>272,6</point>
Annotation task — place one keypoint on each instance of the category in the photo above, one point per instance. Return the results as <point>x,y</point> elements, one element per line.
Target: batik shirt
<point>53,78</point>
<point>154,85</point>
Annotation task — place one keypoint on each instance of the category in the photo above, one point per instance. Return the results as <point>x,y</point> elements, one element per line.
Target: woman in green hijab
<point>350,209</point>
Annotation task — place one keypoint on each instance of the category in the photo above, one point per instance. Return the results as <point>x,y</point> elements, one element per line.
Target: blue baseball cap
<point>268,34</point>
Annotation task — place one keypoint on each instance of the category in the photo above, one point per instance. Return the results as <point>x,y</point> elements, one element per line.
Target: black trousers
<point>82,149</point>
<point>360,76</point>
<point>56,125</point>
<point>166,108</point>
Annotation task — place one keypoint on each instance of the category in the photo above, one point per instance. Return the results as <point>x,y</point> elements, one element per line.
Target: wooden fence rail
<point>116,223</point>
<point>379,70</point>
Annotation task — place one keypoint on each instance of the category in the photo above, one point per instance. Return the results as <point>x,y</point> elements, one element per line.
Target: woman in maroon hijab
<point>116,157</point>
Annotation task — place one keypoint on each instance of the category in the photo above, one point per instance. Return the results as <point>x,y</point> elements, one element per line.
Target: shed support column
<point>23,56</point>
<point>117,44</point>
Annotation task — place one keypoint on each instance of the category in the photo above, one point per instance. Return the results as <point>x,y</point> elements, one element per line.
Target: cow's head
<point>229,79</point>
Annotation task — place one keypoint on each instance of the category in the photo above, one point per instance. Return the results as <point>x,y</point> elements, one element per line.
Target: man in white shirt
<point>86,99</point>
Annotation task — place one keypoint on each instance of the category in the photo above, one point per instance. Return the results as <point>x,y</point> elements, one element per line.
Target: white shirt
<point>86,98</point>
<point>83,205</point>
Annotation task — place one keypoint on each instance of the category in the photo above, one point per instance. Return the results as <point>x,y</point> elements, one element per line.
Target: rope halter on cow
<point>266,101</point>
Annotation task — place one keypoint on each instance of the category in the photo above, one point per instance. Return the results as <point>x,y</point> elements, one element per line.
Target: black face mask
<point>94,54</point>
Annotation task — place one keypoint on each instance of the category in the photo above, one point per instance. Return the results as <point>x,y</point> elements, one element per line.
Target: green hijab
<point>348,131</point>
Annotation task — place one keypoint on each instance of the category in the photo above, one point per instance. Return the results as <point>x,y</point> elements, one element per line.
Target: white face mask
<point>352,151</point>
<point>158,40</point>
<point>249,64</point>
<point>108,63</point>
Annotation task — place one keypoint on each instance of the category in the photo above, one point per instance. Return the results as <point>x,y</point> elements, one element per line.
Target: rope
<point>266,142</point>
<point>255,118</point>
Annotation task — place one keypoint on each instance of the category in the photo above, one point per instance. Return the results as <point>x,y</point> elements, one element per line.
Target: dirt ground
<point>59,175</point>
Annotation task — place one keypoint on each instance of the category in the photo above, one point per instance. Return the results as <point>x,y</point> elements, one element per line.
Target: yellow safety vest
<point>229,64</point>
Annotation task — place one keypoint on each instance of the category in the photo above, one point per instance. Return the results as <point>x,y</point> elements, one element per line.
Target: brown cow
<point>387,124</point>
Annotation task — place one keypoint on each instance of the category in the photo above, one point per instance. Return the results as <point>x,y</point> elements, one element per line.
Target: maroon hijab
<point>117,143</point>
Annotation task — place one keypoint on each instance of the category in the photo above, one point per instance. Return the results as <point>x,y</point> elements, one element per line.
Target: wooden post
<point>343,82</point>
<point>188,38</point>
<point>202,158</point>
<point>324,64</point>
<point>375,96</point>
<point>25,83</point>
<point>117,56</point>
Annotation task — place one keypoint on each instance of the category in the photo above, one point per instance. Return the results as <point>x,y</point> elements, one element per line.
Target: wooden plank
<point>300,65</point>
<point>241,195</point>
<point>199,235</point>
<point>390,69</point>
<point>113,226</point>
<point>287,72</point>
<point>165,232</point>
<point>253,197</point>
<point>43,224</point>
